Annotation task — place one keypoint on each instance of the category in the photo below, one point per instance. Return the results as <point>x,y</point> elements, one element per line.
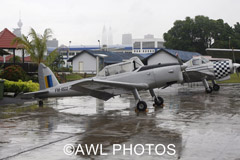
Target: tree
<point>34,44</point>
<point>200,33</point>
<point>54,60</point>
<point>235,40</point>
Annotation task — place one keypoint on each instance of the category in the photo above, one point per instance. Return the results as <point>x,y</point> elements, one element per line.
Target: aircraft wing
<point>105,89</point>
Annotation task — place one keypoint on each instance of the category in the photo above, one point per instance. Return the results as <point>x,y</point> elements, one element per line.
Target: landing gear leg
<point>141,105</point>
<point>158,101</point>
<point>207,87</point>
<point>216,87</point>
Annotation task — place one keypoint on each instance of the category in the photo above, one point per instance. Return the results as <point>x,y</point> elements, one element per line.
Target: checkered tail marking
<point>221,69</point>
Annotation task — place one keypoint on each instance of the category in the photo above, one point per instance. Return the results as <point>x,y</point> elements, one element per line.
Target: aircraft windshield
<point>123,67</point>
<point>199,61</point>
<point>196,62</point>
<point>204,60</point>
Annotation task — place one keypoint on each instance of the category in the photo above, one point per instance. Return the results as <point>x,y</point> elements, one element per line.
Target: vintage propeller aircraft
<point>202,69</point>
<point>126,77</point>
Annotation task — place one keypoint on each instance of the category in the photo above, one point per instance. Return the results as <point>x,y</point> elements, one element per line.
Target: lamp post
<point>68,52</point>
<point>99,44</point>
<point>229,40</point>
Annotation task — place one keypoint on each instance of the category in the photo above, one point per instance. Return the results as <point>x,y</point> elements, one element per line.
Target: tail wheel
<point>142,106</point>
<point>209,90</point>
<point>40,103</point>
<point>158,101</point>
<point>216,87</point>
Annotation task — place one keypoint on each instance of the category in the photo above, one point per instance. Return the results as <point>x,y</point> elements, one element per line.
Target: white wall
<point>162,57</point>
<point>89,62</point>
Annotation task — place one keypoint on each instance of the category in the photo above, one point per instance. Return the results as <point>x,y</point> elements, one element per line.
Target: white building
<point>86,61</point>
<point>148,44</point>
<point>164,56</point>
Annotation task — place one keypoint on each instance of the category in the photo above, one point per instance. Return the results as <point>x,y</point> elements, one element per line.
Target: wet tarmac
<point>195,125</point>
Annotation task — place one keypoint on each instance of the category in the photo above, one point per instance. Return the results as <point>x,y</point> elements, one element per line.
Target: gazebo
<point>6,38</point>
<point>3,52</point>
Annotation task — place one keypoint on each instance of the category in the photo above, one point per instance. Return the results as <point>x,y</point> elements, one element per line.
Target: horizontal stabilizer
<point>33,94</point>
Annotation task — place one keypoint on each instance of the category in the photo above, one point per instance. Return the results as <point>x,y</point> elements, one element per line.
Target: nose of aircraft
<point>184,66</point>
<point>236,65</point>
<point>235,68</point>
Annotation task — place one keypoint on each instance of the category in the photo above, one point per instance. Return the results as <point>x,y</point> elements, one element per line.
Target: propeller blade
<point>179,59</point>
<point>186,75</point>
<point>183,67</point>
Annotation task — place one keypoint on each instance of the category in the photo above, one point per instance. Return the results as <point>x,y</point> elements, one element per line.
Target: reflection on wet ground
<point>201,126</point>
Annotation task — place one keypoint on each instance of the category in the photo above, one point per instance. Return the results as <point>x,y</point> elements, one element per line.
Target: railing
<point>27,67</point>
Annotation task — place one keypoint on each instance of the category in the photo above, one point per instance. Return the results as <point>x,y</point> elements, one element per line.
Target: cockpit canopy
<point>197,61</point>
<point>127,66</point>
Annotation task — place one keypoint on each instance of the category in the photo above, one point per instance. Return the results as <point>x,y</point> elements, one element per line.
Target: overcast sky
<point>82,21</point>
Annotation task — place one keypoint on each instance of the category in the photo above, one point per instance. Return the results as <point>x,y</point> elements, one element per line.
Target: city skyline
<point>81,22</point>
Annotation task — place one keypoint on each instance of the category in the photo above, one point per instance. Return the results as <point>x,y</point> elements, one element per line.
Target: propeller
<point>183,67</point>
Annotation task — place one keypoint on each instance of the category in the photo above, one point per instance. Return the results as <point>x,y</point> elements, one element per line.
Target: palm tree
<point>34,44</point>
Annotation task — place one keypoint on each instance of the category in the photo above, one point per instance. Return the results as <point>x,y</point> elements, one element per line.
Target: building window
<point>160,45</point>
<point>148,44</point>
<point>136,45</point>
<point>71,53</point>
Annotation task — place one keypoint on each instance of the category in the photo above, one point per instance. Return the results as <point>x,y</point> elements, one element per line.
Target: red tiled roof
<point>27,59</point>
<point>7,58</point>
<point>6,38</point>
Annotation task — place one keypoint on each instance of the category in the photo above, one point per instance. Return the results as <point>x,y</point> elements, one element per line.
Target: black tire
<point>209,90</point>
<point>216,87</point>
<point>40,103</point>
<point>158,102</point>
<point>142,106</point>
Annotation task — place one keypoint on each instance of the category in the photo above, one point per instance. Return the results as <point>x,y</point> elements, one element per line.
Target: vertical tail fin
<point>46,77</point>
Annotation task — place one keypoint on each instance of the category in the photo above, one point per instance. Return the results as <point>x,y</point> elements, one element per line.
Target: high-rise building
<point>52,43</point>
<point>107,36</point>
<point>104,36</point>
<point>127,39</point>
<point>110,37</point>
<point>148,36</point>
<point>17,31</point>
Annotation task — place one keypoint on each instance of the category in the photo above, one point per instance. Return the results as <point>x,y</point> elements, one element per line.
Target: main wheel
<point>142,106</point>
<point>216,87</point>
<point>158,101</point>
<point>209,90</point>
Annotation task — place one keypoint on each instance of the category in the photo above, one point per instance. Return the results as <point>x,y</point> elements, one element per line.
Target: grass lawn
<point>76,76</point>
<point>234,79</point>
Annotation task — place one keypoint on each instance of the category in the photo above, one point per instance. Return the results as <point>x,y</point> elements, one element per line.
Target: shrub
<point>17,59</point>
<point>14,73</point>
<point>20,86</point>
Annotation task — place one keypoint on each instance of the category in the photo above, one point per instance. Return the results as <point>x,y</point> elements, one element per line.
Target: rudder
<point>46,77</point>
